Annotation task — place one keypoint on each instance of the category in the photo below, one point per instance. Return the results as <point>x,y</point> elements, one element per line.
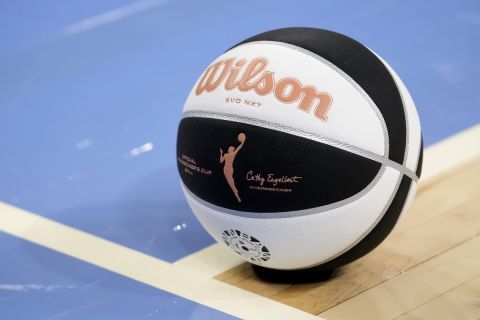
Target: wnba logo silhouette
<point>228,158</point>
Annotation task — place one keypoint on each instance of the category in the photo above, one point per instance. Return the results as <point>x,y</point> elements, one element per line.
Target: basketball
<point>299,148</point>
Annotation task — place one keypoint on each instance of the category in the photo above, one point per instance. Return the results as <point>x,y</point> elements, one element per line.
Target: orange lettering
<point>288,90</point>
<point>255,77</point>
<point>310,95</point>
<point>208,82</point>
<point>231,80</point>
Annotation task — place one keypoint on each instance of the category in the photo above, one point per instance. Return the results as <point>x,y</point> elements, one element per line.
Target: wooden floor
<point>428,268</point>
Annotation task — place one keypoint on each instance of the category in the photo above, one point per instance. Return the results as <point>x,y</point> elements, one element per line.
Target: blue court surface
<point>91,93</point>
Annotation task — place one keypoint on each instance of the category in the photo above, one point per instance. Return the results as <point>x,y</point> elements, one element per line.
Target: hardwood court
<point>428,268</point>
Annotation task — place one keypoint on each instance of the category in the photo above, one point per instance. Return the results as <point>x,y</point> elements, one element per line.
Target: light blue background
<point>73,106</point>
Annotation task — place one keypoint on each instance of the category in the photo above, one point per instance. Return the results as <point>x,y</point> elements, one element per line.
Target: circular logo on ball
<point>245,245</point>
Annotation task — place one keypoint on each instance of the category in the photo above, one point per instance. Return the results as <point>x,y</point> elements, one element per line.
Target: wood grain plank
<point>243,277</point>
<point>413,288</point>
<point>450,190</point>
<point>461,302</point>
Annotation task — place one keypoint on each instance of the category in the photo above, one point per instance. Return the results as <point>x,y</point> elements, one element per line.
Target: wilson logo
<point>253,76</point>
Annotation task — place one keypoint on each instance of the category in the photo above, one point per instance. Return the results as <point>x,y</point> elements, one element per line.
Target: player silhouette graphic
<point>228,158</point>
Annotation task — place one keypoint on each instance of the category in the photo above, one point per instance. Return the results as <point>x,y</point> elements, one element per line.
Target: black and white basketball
<point>299,148</point>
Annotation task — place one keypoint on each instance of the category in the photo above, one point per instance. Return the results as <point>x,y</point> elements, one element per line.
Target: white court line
<point>190,277</point>
<point>187,283</point>
<point>211,260</point>
<point>112,16</point>
<point>451,152</point>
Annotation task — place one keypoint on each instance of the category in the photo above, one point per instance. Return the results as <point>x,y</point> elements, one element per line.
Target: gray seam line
<point>289,214</point>
<point>300,133</point>
<point>343,75</point>
<point>404,105</point>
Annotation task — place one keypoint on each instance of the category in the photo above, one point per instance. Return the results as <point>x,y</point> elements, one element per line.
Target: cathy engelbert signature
<point>271,178</point>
